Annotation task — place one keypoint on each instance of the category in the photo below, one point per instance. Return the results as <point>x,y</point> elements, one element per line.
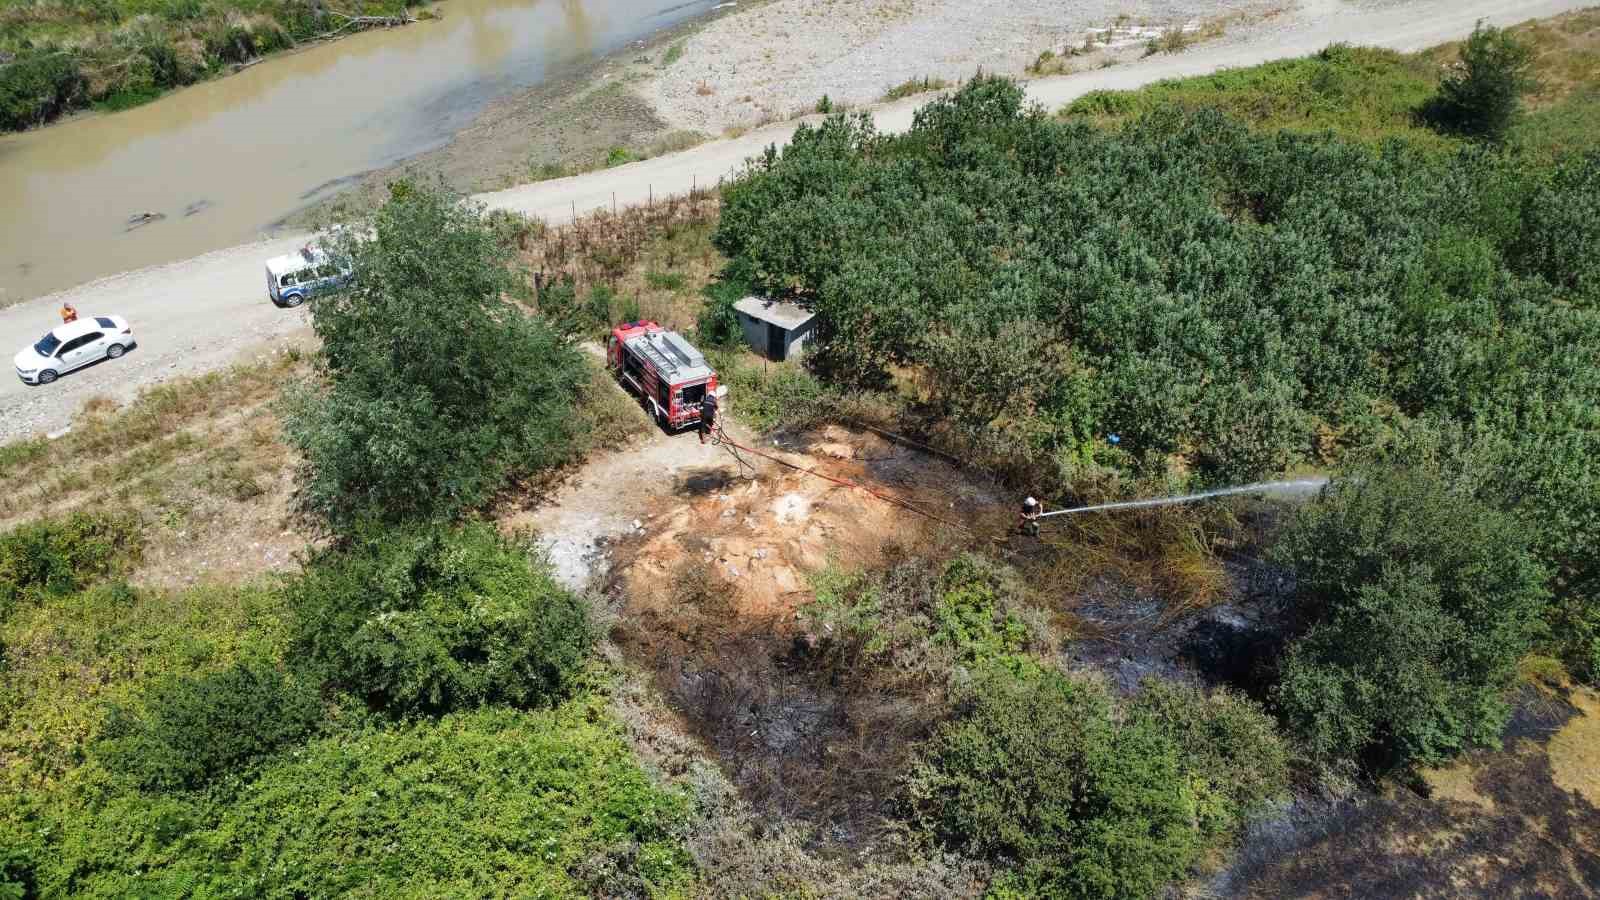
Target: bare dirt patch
<point>710,588</point>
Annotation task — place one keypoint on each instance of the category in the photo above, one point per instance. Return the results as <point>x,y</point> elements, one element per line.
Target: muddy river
<point>221,162</point>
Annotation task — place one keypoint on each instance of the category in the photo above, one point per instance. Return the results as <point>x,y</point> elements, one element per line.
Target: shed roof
<point>782,314</point>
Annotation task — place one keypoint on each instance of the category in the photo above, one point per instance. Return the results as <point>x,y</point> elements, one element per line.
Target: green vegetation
<point>1068,789</point>
<point>1483,97</point>
<point>124,52</point>
<point>55,557</point>
<point>1359,92</point>
<point>913,86</point>
<point>187,730</point>
<point>439,388</point>
<point>419,620</point>
<point>1420,602</point>
<point>617,156</point>
<point>493,802</point>
<point>1041,772</point>
<point>673,54</point>
<point>167,744</point>
<point>1058,325</point>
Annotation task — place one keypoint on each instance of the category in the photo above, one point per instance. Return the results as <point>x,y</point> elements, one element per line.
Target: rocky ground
<point>779,59</point>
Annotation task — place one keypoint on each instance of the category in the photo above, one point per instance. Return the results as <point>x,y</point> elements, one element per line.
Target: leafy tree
<point>1035,772</point>
<point>1418,600</point>
<point>439,388</point>
<point>1483,96</point>
<point>427,620</point>
<point>186,731</point>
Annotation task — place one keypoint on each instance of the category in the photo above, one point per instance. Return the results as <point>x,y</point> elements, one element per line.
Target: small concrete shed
<point>775,329</point>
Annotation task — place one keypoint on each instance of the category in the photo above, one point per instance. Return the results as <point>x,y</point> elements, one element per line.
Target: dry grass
<point>1170,553</point>
<point>199,461</point>
<point>1520,822</point>
<point>1575,750</point>
<point>656,258</point>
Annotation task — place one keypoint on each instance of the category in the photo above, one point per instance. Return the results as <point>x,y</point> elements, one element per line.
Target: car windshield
<point>47,344</point>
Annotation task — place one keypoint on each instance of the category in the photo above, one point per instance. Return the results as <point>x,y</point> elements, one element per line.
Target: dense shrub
<point>36,88</point>
<point>969,616</point>
<point>1419,601</point>
<point>439,388</point>
<point>1221,298</point>
<point>1036,773</point>
<point>493,803</point>
<point>1483,96</point>
<point>186,731</point>
<point>1563,228</point>
<point>1228,746</point>
<point>428,620</point>
<point>54,557</point>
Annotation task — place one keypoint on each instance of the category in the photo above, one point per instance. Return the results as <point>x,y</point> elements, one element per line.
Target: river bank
<point>222,162</point>
<point>578,119</point>
<point>756,63</point>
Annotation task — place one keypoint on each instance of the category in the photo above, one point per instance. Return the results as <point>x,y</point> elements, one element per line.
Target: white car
<point>73,346</point>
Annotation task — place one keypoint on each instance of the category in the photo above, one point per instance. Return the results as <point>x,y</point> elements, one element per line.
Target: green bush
<point>428,620</point>
<point>969,617</point>
<point>665,281</point>
<point>1483,96</point>
<point>36,88</point>
<point>1037,773</point>
<point>1419,600</point>
<point>186,731</point>
<point>1228,746</point>
<point>439,388</point>
<point>718,322</point>
<point>493,803</point>
<point>1560,240</point>
<point>55,557</point>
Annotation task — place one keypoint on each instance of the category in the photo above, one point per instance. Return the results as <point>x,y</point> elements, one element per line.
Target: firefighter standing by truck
<point>708,415</point>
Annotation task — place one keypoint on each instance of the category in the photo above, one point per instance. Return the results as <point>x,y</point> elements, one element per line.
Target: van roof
<point>293,262</point>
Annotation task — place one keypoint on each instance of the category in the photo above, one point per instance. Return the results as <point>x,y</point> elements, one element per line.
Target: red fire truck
<point>668,373</point>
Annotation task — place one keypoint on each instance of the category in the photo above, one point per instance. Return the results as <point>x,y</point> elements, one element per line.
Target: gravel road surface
<point>199,314</point>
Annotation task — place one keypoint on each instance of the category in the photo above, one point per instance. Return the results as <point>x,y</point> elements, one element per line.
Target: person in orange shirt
<point>68,313</point>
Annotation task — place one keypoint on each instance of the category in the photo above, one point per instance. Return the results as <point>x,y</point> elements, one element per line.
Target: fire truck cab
<point>665,370</point>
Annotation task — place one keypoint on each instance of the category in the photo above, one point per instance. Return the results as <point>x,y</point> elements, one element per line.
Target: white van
<point>297,277</point>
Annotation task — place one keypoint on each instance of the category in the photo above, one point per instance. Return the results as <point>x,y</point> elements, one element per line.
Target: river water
<point>224,160</point>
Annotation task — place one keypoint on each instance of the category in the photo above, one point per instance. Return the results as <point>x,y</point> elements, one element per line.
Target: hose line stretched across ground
<point>720,437</point>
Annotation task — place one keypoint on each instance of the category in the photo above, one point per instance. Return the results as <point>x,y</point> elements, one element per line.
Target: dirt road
<point>196,315</point>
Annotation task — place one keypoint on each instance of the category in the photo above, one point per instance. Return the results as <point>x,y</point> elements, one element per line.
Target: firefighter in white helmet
<point>1031,510</point>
